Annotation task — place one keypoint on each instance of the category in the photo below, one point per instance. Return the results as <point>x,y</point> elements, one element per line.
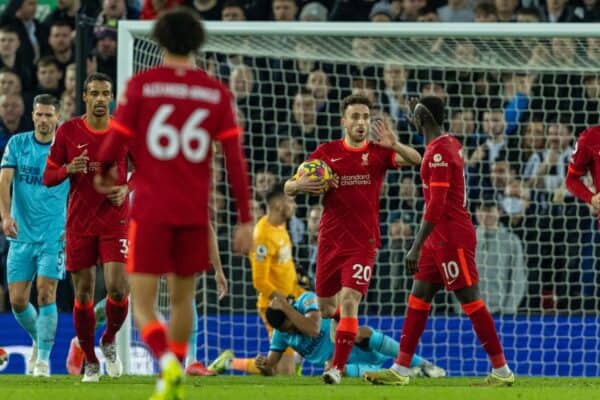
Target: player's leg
<point>192,352</point>
<point>20,273</point>
<point>483,325</point>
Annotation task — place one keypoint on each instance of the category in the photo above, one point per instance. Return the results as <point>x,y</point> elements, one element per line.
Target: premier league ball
<point>316,169</point>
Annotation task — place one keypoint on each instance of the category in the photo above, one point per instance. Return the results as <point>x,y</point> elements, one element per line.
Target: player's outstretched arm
<point>215,260</point>
<point>578,189</point>
<point>267,365</point>
<point>9,225</point>
<point>385,137</point>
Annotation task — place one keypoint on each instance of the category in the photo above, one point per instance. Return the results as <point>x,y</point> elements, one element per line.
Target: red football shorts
<point>166,249</point>
<point>83,252</point>
<point>337,269</point>
<point>452,266</point>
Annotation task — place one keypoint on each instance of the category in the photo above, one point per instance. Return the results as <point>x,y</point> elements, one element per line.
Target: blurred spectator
<point>11,58</point>
<point>462,126</point>
<point>485,12</point>
<point>264,181</point>
<point>394,96</point>
<point>258,209</point>
<point>207,9</point>
<point>560,11</point>
<point>152,8</point>
<point>67,106</point>
<point>517,91</point>
<point>381,12</point>
<point>61,43</point>
<point>284,10</point>
<point>564,51</point>
<point>500,176</point>
<point>289,156</point>
<point>526,14</point>
<point>506,10</point>
<point>426,15</point>
<point>532,142</point>
<point>586,108</point>
<point>49,76</point>
<point>313,12</point>
<point>500,262</point>
<point>515,206</point>
<point>65,10</point>
<point>593,49</point>
<point>456,11</point>
<point>20,14</point>
<point>326,101</point>
<point>309,247</point>
<point>233,11</point>
<point>366,87</point>
<point>411,10</point>
<point>11,118</point>
<point>106,52</point>
<point>114,10</point>
<point>589,11</point>
<point>10,83</point>
<point>71,79</point>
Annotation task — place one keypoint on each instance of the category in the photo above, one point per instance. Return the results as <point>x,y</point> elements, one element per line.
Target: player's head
<point>97,94</point>
<point>46,110</point>
<point>280,203</point>
<point>179,32</point>
<point>356,117</point>
<point>429,113</point>
<point>278,320</point>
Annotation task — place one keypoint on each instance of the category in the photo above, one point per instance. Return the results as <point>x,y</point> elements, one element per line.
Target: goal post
<point>520,92</point>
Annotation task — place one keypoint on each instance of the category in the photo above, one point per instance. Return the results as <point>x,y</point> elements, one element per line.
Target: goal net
<point>518,95</point>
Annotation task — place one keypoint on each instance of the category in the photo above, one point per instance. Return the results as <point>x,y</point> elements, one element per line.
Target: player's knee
<point>18,301</point>
<point>349,305</point>
<point>84,297</point>
<point>46,296</point>
<point>327,310</point>
<point>117,294</point>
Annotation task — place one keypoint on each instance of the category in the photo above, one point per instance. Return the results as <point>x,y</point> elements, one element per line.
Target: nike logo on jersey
<point>452,281</point>
<point>336,159</point>
<point>81,146</point>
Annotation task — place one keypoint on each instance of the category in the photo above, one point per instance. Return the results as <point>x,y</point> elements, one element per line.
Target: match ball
<point>316,169</point>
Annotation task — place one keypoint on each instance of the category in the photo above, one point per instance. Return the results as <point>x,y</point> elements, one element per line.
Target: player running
<point>443,253</point>
<point>586,158</point>
<point>170,115</point>
<point>96,223</point>
<point>33,220</point>
<point>349,231</point>
<point>299,326</point>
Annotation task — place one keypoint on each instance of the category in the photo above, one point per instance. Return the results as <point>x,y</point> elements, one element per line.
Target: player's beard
<point>100,111</point>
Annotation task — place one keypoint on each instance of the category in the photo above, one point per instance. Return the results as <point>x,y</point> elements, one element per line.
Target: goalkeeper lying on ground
<point>300,327</point>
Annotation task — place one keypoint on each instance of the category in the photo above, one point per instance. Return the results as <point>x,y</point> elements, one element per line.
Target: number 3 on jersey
<point>165,141</point>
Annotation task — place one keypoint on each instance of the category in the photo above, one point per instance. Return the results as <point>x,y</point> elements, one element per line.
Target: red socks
<point>483,324</point>
<point>412,329</point>
<point>85,324</point>
<point>116,312</point>
<point>345,334</point>
<point>154,334</point>
<point>179,349</point>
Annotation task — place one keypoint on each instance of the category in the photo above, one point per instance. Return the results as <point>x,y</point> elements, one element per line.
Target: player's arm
<point>58,168</point>
<point>385,137</point>
<point>9,225</point>
<point>267,364</point>
<point>578,167</point>
<point>308,324</point>
<point>261,265</point>
<point>439,184</point>
<point>215,260</point>
<point>304,184</point>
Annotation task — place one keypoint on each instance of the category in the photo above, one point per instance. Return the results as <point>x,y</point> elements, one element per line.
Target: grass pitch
<point>13,387</point>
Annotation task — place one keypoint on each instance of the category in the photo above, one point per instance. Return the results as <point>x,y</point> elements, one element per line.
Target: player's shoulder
<point>20,139</point>
<point>306,300</point>
<point>590,136</point>
<point>329,147</point>
<point>70,125</point>
<point>261,229</point>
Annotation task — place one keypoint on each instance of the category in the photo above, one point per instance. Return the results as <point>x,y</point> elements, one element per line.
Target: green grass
<point>304,388</point>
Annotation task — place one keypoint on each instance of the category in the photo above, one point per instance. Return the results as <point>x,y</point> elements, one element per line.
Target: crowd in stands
<point>518,131</point>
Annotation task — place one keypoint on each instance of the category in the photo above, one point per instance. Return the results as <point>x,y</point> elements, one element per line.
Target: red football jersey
<point>585,158</point>
<point>171,116</point>
<point>442,175</point>
<point>88,212</point>
<point>351,211</point>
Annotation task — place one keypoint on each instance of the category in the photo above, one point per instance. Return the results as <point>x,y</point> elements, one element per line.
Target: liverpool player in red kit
<point>586,158</point>
<point>443,253</point>
<point>96,223</point>
<point>169,116</point>
<point>349,229</point>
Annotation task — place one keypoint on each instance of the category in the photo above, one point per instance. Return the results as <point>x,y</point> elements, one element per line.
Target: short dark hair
<point>486,8</point>
<point>9,28</point>
<point>275,318</point>
<point>233,3</point>
<point>61,22</point>
<point>179,31</point>
<point>46,100</point>
<point>355,99</point>
<point>531,11</point>
<point>96,76</point>
<point>276,192</point>
<point>436,107</point>
<point>47,61</point>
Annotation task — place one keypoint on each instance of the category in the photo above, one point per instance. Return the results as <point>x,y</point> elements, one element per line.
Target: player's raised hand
<point>383,135</point>
<point>117,195</point>
<point>308,184</point>
<point>242,238</point>
<point>412,259</point>
<point>222,284</point>
<point>9,226</point>
<point>278,303</point>
<point>79,164</point>
<point>261,363</point>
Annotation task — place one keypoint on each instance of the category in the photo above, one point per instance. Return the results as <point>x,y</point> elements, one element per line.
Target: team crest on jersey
<point>437,161</point>
<point>365,159</point>
<point>261,252</point>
